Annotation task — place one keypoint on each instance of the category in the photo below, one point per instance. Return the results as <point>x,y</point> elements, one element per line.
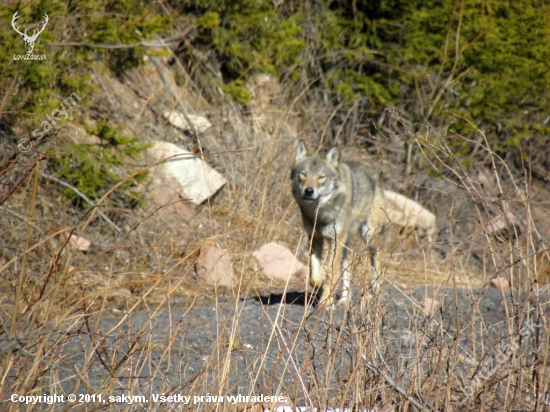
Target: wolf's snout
<point>308,192</point>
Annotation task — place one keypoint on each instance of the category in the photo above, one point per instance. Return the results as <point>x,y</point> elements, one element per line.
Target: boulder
<point>200,123</point>
<point>430,305</point>
<point>79,243</point>
<point>196,180</point>
<point>214,267</point>
<point>501,283</point>
<point>280,263</point>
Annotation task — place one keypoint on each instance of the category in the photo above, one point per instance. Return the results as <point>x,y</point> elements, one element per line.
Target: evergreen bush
<point>91,167</point>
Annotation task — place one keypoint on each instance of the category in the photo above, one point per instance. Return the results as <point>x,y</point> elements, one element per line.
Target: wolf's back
<point>364,182</point>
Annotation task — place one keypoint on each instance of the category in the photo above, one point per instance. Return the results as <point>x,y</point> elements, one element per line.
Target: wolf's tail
<point>405,212</point>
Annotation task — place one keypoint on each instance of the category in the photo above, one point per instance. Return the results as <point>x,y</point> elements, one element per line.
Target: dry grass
<point>123,317</point>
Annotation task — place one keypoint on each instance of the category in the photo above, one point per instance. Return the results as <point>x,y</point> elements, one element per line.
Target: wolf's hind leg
<point>346,286</point>
<point>346,275</point>
<point>375,273</point>
<point>370,238</point>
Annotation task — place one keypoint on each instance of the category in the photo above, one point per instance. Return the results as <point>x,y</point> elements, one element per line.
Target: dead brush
<point>147,327</point>
<point>461,354</point>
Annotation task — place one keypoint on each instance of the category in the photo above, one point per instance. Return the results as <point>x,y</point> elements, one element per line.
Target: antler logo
<point>29,40</point>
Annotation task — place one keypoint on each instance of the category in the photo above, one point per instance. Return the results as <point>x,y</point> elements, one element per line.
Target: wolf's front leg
<point>334,262</point>
<point>317,274</point>
<point>370,235</point>
<point>375,271</point>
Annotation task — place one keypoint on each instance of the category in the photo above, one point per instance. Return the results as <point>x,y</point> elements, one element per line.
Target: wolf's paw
<point>343,302</point>
<point>327,303</point>
<point>316,272</point>
<point>331,307</point>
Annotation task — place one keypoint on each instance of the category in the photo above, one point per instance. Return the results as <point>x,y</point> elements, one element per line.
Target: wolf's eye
<point>322,179</point>
<point>303,175</point>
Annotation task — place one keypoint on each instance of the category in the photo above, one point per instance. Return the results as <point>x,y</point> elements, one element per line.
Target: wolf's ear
<point>301,151</point>
<point>333,156</point>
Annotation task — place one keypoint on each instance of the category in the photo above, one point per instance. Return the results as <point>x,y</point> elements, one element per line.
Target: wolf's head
<point>314,179</point>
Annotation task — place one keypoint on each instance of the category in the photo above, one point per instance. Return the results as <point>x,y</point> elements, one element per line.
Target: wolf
<point>337,199</point>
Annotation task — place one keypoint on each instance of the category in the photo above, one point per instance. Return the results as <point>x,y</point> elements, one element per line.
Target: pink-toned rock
<point>507,225</point>
<point>80,243</point>
<point>402,285</point>
<point>280,263</point>
<point>429,305</point>
<point>501,283</point>
<point>214,267</point>
<point>116,292</point>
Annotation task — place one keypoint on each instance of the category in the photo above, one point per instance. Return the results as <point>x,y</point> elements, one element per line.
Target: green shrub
<point>91,167</point>
<point>34,88</point>
<point>247,37</point>
<point>472,62</point>
<point>485,61</point>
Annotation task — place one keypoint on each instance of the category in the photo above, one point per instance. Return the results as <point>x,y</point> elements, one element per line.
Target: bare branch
<point>83,196</point>
<point>161,43</point>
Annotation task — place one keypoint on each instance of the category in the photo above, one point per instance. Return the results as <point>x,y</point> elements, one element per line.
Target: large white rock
<point>178,119</point>
<point>197,180</point>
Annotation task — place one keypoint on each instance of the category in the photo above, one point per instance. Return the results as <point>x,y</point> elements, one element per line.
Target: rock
<point>501,283</point>
<point>214,267</point>
<point>280,263</point>
<point>195,178</point>
<point>488,179</point>
<point>79,243</point>
<point>402,285</point>
<point>506,226</point>
<point>263,89</point>
<point>118,292</point>
<point>430,305</point>
<point>407,339</point>
<point>200,123</point>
